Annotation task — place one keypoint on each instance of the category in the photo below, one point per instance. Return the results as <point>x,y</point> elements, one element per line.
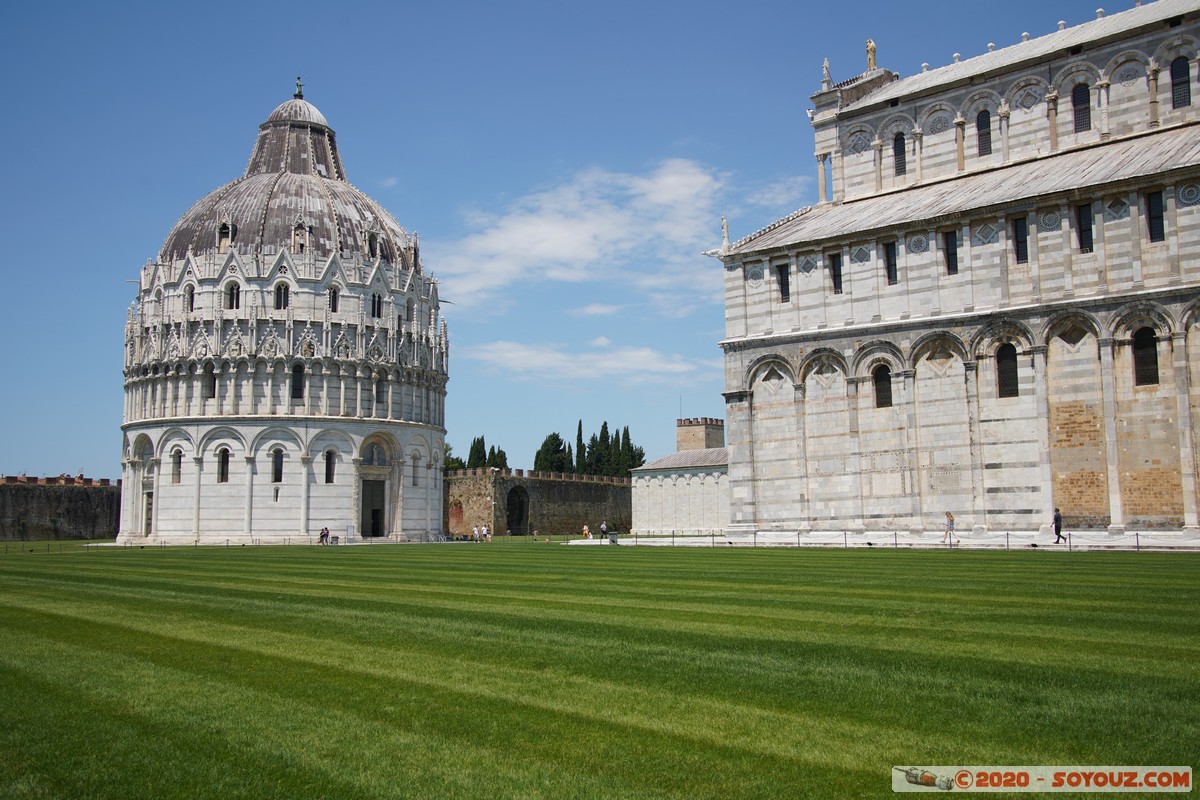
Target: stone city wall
<point>58,508</point>
<point>552,502</point>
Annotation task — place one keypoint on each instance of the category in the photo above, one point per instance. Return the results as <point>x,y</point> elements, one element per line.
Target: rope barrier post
<point>1137,542</point>
<point>672,537</point>
<point>895,540</point>
<point>845,540</point>
<point>1006,540</point>
<point>1069,541</point>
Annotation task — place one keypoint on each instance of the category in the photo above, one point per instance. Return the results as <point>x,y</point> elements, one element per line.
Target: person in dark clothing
<point>1058,537</point>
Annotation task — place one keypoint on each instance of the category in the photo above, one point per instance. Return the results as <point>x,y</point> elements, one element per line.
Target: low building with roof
<point>994,308</point>
<point>687,492</point>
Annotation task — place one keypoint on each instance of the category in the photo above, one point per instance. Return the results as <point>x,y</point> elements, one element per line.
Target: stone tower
<point>285,361</point>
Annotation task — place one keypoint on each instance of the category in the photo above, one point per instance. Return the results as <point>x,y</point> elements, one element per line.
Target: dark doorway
<point>518,511</point>
<point>372,508</point>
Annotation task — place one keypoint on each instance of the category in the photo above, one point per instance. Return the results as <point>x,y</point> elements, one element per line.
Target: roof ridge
<point>771,227</point>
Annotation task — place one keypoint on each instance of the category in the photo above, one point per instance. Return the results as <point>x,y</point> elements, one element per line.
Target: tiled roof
<point>711,457</point>
<point>1136,156</point>
<point>1034,51</point>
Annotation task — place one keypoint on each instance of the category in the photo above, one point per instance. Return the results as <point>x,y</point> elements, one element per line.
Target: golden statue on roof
<point>870,55</point>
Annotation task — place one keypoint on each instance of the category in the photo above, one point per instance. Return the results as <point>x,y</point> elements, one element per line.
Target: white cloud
<point>645,230</point>
<point>627,365</point>
<point>596,310</point>
<point>388,183</point>
<point>601,341</point>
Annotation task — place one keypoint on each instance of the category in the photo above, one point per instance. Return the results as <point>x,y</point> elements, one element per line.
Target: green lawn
<point>537,670</point>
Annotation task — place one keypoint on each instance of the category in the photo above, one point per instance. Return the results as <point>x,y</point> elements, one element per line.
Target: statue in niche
<point>870,55</point>
<point>375,457</point>
<point>308,349</point>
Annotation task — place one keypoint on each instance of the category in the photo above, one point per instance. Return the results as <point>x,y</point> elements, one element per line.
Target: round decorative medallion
<point>755,277</point>
<point>918,243</point>
<point>1050,221</point>
<point>1128,76</point>
<point>939,124</point>
<point>1188,194</point>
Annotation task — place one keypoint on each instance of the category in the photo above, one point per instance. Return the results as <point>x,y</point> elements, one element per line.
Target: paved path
<point>993,540</point>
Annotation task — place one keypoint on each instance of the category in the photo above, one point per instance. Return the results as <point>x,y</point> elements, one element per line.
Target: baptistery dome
<point>285,361</point>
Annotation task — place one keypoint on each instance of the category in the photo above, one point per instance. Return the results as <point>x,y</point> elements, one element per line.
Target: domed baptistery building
<point>285,362</point>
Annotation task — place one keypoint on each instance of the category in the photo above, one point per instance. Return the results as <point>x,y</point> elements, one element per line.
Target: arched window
<point>298,382</point>
<point>176,465</point>
<point>1181,83</point>
<point>209,387</point>
<point>1081,106</point>
<point>376,305</point>
<point>225,235</point>
<point>189,298</point>
<point>281,296</point>
<point>410,309</point>
<point>1145,357</point>
<point>898,155</point>
<point>416,465</point>
<point>223,465</point>
<point>372,245</point>
<point>299,238</point>
<point>1006,371</point>
<point>333,298</point>
<point>983,132</point>
<point>882,378</point>
<point>277,465</point>
<point>233,296</point>
<point>330,460</point>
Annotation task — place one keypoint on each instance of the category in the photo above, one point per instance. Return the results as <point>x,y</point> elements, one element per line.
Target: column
<point>152,523</point>
<point>198,462</point>
<point>1102,99</point>
<point>878,145</point>
<point>1098,245</point>
<point>248,516</point>
<point>1052,118</point>
<point>1041,391</point>
<point>805,516</point>
<point>1152,82</point>
<point>1187,455</point>
<point>979,508</point>
<point>960,143</point>
<point>918,144</point>
<point>1033,226</point>
<point>1003,113</point>
<point>1135,238</point>
<point>1116,525</point>
<point>821,177</point>
<point>355,496</point>
<point>306,481</point>
<point>912,451</point>
<point>1069,224</point>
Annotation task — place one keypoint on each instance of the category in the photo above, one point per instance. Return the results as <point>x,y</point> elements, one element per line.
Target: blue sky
<point>565,165</point>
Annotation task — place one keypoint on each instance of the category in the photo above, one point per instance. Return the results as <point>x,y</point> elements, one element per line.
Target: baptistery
<point>285,362</point>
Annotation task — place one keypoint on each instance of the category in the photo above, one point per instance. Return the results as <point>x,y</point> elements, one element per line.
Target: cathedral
<point>994,307</point>
<point>285,361</point>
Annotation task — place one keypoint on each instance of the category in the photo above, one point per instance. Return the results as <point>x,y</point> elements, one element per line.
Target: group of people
<point>949,538</point>
<point>604,533</point>
<point>481,535</point>
<point>323,538</point>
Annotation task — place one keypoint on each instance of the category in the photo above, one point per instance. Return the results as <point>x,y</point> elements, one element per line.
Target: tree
<point>580,453</point>
<point>452,462</point>
<point>497,458</point>
<point>552,455</point>
<point>477,456</point>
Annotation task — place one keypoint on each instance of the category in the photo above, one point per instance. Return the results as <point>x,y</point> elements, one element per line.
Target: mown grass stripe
<point>596,672</point>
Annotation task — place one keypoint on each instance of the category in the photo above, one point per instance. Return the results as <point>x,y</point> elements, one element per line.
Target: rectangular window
<point>889,263</point>
<point>1154,217</point>
<point>1083,227</point>
<point>1020,229</point>
<point>950,248</point>
<point>785,282</point>
<point>835,271</point>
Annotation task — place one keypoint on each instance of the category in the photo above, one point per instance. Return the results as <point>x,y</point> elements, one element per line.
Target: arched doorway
<point>375,471</point>
<point>518,511</point>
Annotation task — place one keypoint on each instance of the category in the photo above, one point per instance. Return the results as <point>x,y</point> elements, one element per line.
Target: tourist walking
<point>948,536</point>
<point>1058,537</point>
